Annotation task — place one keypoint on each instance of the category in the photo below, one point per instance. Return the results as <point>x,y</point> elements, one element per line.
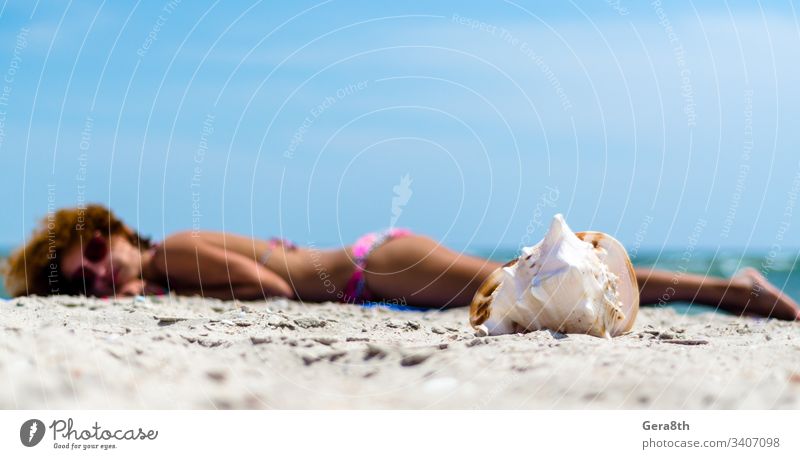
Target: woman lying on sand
<point>89,251</point>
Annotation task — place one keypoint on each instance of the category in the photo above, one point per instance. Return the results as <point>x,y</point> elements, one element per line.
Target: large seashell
<point>568,282</point>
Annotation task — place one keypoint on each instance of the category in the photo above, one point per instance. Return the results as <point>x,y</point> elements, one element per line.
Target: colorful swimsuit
<point>273,244</point>
<point>356,290</point>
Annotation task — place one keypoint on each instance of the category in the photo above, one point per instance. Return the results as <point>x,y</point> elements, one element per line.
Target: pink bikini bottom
<point>356,290</point>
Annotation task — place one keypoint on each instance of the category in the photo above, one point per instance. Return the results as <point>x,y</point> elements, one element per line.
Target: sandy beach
<point>172,352</point>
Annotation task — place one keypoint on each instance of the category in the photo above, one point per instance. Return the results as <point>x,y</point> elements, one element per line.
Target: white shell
<point>571,283</point>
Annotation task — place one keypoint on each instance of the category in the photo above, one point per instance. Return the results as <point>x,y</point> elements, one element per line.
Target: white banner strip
<point>400,434</point>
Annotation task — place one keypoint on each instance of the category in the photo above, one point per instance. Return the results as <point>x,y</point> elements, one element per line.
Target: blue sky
<point>669,126</point>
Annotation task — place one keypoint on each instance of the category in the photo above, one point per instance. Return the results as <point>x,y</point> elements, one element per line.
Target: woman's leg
<point>420,272</point>
<point>746,293</point>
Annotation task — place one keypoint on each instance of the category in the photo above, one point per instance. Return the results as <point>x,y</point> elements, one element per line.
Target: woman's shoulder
<point>197,236</point>
<point>183,239</point>
<point>171,254</point>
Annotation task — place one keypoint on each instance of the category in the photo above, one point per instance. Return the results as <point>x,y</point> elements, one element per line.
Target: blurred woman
<point>91,252</point>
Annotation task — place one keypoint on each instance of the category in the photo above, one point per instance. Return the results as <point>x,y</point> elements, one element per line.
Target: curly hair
<point>35,267</point>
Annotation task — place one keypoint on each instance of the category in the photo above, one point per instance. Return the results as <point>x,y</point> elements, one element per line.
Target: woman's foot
<point>764,299</point>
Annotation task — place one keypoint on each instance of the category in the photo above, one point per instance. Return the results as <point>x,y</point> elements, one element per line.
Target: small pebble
<point>280,323</point>
<point>415,359</point>
<point>686,342</point>
<point>168,320</point>
<point>375,351</point>
<point>310,322</point>
<point>260,340</point>
<point>206,342</point>
<point>558,335</point>
<point>216,375</point>
<point>351,339</point>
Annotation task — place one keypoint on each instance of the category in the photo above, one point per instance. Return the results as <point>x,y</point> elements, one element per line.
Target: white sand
<point>68,352</point>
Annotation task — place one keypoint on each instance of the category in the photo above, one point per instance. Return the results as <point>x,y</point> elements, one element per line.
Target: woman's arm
<point>226,292</point>
<point>139,287</point>
<point>197,266</point>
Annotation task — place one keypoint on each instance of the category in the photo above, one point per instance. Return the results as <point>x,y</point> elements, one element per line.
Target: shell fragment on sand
<point>569,282</point>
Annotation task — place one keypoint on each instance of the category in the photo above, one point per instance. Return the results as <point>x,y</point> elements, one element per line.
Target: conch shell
<point>568,282</point>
